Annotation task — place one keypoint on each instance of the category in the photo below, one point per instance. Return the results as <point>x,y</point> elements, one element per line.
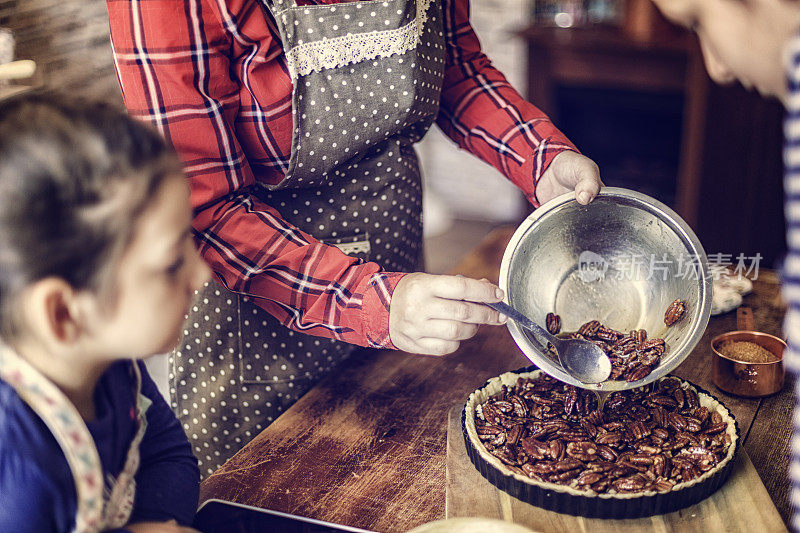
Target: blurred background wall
<point>68,39</point>
<point>631,91</point>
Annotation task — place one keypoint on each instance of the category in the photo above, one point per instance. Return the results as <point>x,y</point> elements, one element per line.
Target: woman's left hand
<point>570,171</point>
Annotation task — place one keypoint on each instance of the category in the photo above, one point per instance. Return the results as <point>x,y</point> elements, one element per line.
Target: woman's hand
<point>432,314</point>
<point>570,171</point>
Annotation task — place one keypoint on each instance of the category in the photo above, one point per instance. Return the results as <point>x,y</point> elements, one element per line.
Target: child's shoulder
<point>25,440</point>
<point>35,480</point>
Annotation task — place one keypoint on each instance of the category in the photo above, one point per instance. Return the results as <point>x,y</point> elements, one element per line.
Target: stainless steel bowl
<point>621,260</point>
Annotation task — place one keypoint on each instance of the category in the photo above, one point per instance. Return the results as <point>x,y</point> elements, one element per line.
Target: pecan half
<point>590,328</point>
<point>498,439</point>
<point>716,428</point>
<point>663,485</point>
<point>520,409</point>
<point>553,323</point>
<point>611,437</point>
<point>535,448</point>
<point>606,452</point>
<point>570,401</point>
<point>640,372</point>
<point>631,483</point>
<point>513,436</point>
<point>652,344</point>
<point>663,401</point>
<point>583,451</point>
<point>557,449</point>
<point>675,312</point>
<point>564,476</point>
<point>650,358</point>
<point>691,399</point>
<point>588,478</point>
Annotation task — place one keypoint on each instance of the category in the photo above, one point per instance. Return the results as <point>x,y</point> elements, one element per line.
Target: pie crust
<point>575,501</point>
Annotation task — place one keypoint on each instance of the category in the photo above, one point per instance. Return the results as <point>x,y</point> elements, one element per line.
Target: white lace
<point>334,53</point>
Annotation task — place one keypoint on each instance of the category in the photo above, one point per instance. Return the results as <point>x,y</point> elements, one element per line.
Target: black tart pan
<point>563,499</point>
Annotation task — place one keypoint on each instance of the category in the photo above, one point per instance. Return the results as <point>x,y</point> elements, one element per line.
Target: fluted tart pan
<point>581,502</point>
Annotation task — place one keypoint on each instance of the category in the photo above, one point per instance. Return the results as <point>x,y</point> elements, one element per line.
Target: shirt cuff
<point>545,152</point>
<point>375,308</point>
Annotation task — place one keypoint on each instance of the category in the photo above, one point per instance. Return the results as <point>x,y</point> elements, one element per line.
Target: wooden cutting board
<point>742,504</point>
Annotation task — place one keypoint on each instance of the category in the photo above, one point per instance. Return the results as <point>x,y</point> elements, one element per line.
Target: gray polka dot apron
<point>367,79</point>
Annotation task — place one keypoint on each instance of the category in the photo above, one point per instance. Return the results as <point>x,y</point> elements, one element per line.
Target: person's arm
<point>486,116</point>
<point>168,479</point>
<point>173,64</point>
<point>194,101</point>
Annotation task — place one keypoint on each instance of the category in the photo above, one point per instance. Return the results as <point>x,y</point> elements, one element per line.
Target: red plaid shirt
<point>211,75</point>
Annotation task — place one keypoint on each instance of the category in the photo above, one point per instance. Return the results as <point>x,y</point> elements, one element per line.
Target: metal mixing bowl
<point>622,260</point>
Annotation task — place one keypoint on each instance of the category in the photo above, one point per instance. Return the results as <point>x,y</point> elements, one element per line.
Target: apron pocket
<point>269,352</point>
<point>353,245</point>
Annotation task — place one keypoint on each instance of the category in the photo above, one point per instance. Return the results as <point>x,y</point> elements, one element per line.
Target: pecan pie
<point>651,450</point>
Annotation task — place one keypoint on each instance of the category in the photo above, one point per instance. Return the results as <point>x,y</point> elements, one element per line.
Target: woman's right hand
<point>431,314</point>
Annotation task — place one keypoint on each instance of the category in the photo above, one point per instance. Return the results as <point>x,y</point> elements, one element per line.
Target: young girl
<point>97,269</point>
<point>757,42</point>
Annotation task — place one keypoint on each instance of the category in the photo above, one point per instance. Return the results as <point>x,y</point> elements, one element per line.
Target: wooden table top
<point>366,446</point>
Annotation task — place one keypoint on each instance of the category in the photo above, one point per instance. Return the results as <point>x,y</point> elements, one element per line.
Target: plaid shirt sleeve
<point>174,68</point>
<point>211,76</point>
<point>486,116</point>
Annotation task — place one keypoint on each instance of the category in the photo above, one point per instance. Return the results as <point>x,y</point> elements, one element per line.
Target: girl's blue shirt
<point>37,491</point>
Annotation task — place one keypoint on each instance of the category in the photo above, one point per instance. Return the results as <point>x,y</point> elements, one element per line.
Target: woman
<point>296,124</point>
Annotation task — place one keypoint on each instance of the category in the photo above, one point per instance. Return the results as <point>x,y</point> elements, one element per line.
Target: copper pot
<point>743,378</point>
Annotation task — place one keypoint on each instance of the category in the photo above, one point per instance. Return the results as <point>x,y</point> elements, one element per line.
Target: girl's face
<point>741,39</point>
<point>156,279</point>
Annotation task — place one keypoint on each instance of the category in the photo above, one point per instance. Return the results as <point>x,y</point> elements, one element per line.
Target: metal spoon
<point>583,359</point>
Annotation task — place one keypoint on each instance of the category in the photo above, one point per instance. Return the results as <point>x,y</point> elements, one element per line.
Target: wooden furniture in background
<point>366,447</point>
<point>69,40</point>
<point>728,183</point>
<point>12,90</point>
<point>643,21</point>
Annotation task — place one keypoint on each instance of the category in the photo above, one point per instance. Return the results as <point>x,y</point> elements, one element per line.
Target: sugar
<point>747,352</point>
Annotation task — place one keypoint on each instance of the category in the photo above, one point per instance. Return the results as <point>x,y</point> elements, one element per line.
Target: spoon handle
<point>521,319</point>
<point>539,333</point>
